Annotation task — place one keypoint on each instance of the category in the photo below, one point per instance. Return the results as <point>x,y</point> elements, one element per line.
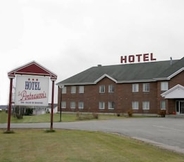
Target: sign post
<point>11,77</point>
<point>52,104</point>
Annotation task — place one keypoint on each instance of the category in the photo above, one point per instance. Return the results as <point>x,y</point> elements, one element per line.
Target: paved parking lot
<point>163,132</point>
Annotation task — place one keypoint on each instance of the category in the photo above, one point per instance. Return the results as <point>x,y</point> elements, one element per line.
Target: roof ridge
<point>134,63</point>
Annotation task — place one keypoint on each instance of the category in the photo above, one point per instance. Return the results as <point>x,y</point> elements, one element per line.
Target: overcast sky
<point>69,36</point>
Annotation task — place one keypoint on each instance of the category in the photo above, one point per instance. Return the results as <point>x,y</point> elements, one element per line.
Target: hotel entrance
<point>180,107</point>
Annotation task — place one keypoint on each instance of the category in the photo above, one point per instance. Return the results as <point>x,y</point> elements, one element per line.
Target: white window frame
<point>63,104</point>
<point>135,87</point>
<point>80,105</point>
<point>163,105</point>
<point>111,88</point>
<point>73,89</point>
<point>101,105</point>
<point>72,105</point>
<point>135,105</point>
<point>81,89</point>
<point>146,87</point>
<point>164,86</point>
<point>111,105</point>
<point>145,105</point>
<point>64,89</point>
<point>102,89</point>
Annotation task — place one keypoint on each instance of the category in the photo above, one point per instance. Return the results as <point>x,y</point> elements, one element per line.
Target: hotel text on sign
<point>137,58</point>
<point>32,90</point>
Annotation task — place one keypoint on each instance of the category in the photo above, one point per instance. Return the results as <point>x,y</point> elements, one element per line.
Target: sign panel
<point>32,90</point>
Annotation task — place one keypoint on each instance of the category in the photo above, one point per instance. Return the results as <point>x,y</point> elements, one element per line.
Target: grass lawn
<point>66,117</point>
<point>35,145</point>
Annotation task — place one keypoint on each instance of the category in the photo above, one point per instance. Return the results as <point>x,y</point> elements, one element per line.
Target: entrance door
<point>180,107</point>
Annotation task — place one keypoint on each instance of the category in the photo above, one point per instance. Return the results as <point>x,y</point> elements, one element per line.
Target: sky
<point>69,36</point>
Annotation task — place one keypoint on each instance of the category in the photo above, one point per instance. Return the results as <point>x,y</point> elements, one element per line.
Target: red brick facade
<point>122,97</point>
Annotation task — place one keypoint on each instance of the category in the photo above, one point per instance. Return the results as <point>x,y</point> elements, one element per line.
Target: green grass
<point>66,117</point>
<point>78,146</point>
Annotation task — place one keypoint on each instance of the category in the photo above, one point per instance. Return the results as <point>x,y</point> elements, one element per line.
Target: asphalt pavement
<point>163,132</point>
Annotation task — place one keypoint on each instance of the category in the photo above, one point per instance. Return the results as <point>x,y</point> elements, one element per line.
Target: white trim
<point>76,84</point>
<point>176,87</point>
<point>172,75</point>
<point>103,76</point>
<point>118,82</point>
<point>61,85</point>
<point>161,79</point>
<point>138,81</point>
<point>176,73</point>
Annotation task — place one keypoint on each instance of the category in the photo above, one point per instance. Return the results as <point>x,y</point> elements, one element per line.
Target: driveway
<point>164,132</point>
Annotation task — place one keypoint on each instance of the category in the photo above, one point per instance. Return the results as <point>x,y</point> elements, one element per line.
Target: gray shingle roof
<point>136,72</point>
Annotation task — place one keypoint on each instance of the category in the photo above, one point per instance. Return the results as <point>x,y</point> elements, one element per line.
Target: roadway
<point>163,132</point>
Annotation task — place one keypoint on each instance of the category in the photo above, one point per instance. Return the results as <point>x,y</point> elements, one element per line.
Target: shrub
<point>118,114</point>
<point>19,116</point>
<point>86,116</point>
<point>28,111</point>
<point>162,113</point>
<point>95,115</point>
<point>130,113</point>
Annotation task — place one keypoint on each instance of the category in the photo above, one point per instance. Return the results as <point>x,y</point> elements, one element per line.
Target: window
<point>102,89</point>
<point>64,90</point>
<point>63,104</point>
<point>164,86</point>
<point>135,105</point>
<point>73,89</point>
<point>101,105</point>
<point>81,89</point>
<point>111,105</point>
<point>135,87</point>
<point>72,105</point>
<point>162,105</point>
<point>81,105</point>
<point>146,105</point>
<point>111,88</point>
<point>146,87</point>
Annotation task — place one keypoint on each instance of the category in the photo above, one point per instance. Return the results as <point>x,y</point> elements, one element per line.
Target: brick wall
<point>122,96</point>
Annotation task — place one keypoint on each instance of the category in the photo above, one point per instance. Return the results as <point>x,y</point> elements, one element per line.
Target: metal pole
<point>60,104</point>
<point>52,106</point>
<point>10,105</point>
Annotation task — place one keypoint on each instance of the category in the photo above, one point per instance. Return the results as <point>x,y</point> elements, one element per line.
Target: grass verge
<point>65,117</point>
<point>78,146</point>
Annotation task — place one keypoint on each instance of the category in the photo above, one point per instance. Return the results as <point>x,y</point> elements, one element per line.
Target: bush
<point>28,111</point>
<point>95,115</point>
<point>88,116</point>
<point>162,113</point>
<point>130,113</point>
<point>19,116</point>
<point>118,114</point>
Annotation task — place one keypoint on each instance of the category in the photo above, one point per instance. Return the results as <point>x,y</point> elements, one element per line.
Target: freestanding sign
<point>32,90</point>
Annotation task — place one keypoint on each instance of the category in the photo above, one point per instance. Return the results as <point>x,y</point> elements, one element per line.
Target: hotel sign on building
<point>146,57</point>
<point>32,90</point>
